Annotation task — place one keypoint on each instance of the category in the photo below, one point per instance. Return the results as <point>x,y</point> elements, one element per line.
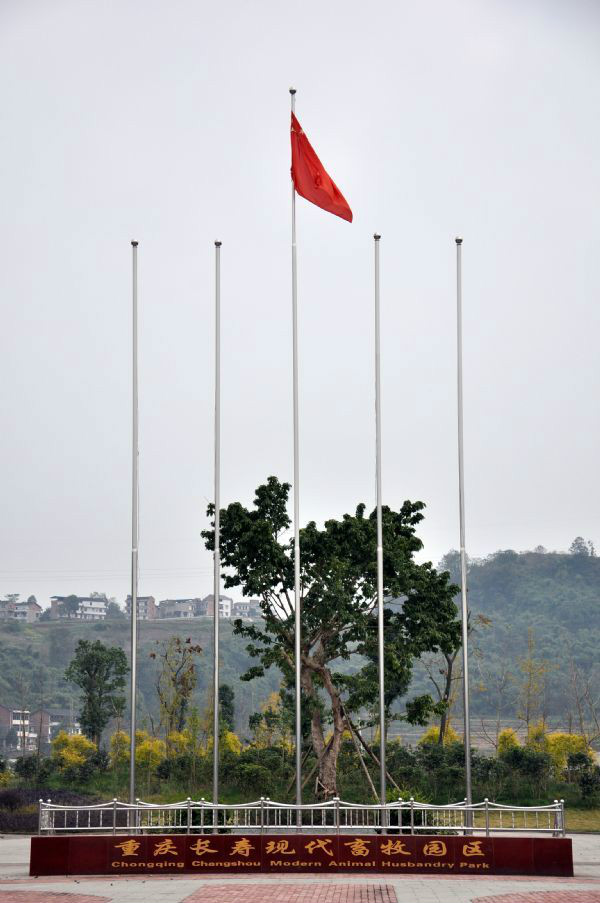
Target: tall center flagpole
<point>380,637</point>
<point>463,556</point>
<point>297,596</point>
<point>217,553</point>
<point>134,520</point>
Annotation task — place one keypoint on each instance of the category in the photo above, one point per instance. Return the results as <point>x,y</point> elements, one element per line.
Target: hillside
<point>553,597</point>
<point>33,659</point>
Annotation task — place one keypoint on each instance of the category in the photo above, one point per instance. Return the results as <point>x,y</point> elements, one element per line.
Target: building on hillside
<point>177,608</point>
<point>146,608</point>
<point>93,608</point>
<point>78,608</point>
<point>225,605</point>
<point>41,723</point>
<point>193,608</point>
<point>63,720</point>
<point>247,609</point>
<point>16,729</point>
<point>201,609</point>
<point>27,611</point>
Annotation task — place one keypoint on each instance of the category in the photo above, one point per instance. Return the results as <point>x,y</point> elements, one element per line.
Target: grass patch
<point>582,819</point>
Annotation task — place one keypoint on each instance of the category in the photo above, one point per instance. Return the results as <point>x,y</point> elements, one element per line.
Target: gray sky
<point>169,123</point>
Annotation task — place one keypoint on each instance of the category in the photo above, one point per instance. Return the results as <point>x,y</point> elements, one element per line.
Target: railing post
<point>40,816</point>
<point>487,817</point>
<point>189,812</point>
<point>412,815</point>
<point>202,815</point>
<point>336,801</point>
<point>114,815</point>
<point>262,815</point>
<point>559,817</point>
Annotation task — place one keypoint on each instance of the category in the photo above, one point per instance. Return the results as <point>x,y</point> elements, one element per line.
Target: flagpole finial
<point>218,244</point>
<point>292,90</point>
<point>134,244</point>
<point>377,236</point>
<point>458,240</point>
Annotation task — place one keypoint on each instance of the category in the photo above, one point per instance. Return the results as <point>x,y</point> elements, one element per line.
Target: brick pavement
<point>294,893</point>
<point>406,890</point>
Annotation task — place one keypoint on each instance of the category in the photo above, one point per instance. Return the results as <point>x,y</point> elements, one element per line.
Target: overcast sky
<point>169,123</point>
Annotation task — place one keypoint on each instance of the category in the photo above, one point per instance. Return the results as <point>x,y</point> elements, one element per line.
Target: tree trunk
<point>326,753</point>
<point>446,697</point>
<point>327,778</point>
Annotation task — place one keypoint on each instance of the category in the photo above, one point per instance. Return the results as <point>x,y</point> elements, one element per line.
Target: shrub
<point>10,800</point>
<point>177,743</point>
<point>148,756</point>
<point>532,763</point>
<point>228,743</point>
<point>537,738</point>
<point>119,749</point>
<point>26,768</point>
<point>431,735</point>
<point>589,783</point>
<point>507,740</point>
<point>250,778</point>
<point>71,750</point>
<point>97,763</point>
<point>30,769</point>
<point>562,746</point>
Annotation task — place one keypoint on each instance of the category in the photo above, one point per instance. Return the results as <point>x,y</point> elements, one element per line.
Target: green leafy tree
<point>227,707</point>
<point>338,587</point>
<point>70,606</point>
<point>114,612</point>
<point>99,671</point>
<point>579,546</point>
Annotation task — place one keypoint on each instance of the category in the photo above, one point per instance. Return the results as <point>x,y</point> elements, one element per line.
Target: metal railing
<point>335,816</point>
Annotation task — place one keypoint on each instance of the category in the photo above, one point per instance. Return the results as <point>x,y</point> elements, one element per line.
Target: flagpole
<point>134,517</point>
<point>463,556</point>
<point>380,641</point>
<point>217,552</point>
<point>297,597</point>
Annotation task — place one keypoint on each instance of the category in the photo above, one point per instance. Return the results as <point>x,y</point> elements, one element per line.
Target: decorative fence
<point>267,817</point>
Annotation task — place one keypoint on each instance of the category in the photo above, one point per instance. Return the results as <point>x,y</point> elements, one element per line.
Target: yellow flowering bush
<point>71,750</point>
<point>507,740</point>
<point>561,746</point>
<point>119,749</point>
<point>229,743</point>
<point>177,743</point>
<point>430,737</point>
<point>149,754</point>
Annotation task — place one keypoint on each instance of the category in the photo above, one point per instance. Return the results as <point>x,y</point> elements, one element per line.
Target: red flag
<point>310,178</point>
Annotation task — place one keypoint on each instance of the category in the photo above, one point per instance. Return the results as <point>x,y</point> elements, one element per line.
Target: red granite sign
<point>254,853</point>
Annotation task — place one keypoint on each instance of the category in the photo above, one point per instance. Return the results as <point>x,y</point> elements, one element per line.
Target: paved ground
<point>17,887</point>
